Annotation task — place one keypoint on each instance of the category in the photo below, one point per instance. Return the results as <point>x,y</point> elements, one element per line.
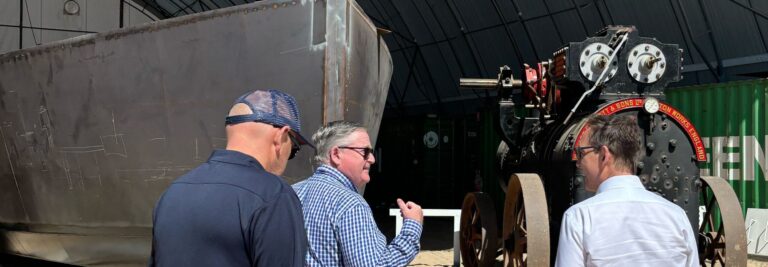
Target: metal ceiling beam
<point>711,35</point>
<point>508,32</point>
<point>409,61</point>
<point>421,55</point>
<point>411,71</point>
<point>421,16</point>
<point>750,8</point>
<point>388,18</point>
<point>429,29</point>
<point>462,71</point>
<point>180,8</point>
<point>173,14</point>
<point>203,6</point>
<point>397,98</point>
<point>688,51</point>
<point>476,57</point>
<point>693,42</point>
<point>445,34</point>
<point>607,11</point>
<point>581,18</point>
<point>186,6</point>
<point>141,10</point>
<point>389,28</point>
<point>525,29</point>
<point>212,2</point>
<point>383,22</point>
<point>154,7</point>
<point>599,13</point>
<point>757,23</point>
<point>552,19</point>
<point>470,32</point>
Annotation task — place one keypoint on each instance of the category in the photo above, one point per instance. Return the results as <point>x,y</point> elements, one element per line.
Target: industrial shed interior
<point>436,139</point>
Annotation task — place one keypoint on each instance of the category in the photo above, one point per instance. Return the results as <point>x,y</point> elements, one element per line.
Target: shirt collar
<point>328,173</point>
<point>620,181</point>
<point>234,157</point>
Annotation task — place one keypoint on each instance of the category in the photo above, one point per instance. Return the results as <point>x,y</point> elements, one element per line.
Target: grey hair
<point>621,134</point>
<point>332,134</point>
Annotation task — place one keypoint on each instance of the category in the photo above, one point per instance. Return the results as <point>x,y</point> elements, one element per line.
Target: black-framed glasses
<point>580,151</point>
<point>366,150</point>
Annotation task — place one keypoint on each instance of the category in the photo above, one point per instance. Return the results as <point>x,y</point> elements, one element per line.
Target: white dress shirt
<point>626,225</point>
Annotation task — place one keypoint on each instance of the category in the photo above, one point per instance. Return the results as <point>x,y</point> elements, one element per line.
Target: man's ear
<point>333,156</point>
<point>278,138</point>
<point>604,153</point>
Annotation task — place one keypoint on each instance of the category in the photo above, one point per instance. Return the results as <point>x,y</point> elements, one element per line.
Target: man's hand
<point>411,211</point>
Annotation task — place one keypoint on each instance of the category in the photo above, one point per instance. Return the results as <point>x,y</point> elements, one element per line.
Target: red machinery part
<point>637,103</point>
<point>535,81</point>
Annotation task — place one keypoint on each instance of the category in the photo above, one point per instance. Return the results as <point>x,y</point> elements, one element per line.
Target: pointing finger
<point>401,204</point>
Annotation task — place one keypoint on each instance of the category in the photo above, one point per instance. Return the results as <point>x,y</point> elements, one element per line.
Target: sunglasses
<point>295,146</point>
<point>580,151</point>
<point>366,151</point>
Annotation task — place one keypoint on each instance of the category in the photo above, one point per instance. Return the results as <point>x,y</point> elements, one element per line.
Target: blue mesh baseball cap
<point>271,107</point>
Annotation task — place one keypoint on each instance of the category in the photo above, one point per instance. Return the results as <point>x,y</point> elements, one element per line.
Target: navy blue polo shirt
<point>228,211</point>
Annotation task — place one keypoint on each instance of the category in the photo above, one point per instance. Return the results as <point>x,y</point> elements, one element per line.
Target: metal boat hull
<point>94,128</point>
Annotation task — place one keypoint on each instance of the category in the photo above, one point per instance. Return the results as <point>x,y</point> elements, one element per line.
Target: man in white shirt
<point>623,224</point>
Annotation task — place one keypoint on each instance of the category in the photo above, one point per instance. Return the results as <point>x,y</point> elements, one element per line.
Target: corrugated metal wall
<point>731,119</point>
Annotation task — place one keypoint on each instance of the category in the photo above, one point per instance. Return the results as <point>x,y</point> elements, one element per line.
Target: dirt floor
<point>445,258</point>
<point>757,262</point>
<point>437,248</point>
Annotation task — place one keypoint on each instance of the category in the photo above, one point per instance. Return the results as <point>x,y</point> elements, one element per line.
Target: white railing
<point>456,214</point>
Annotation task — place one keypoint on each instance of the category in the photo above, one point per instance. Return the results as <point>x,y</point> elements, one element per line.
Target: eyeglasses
<point>580,153</point>
<point>295,146</point>
<point>366,150</point>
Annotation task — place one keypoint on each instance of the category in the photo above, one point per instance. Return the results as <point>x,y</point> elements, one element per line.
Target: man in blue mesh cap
<point>234,209</point>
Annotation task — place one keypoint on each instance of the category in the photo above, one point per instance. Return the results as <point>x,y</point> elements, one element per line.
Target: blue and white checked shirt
<point>341,228</point>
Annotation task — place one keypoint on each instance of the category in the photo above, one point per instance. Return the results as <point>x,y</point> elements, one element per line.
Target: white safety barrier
<point>456,214</point>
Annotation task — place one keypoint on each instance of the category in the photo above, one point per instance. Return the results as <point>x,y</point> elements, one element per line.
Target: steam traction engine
<point>541,118</point>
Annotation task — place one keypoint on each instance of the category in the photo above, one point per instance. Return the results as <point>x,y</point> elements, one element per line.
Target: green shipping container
<point>731,119</point>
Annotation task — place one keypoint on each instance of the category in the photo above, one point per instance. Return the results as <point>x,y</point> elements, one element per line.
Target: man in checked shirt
<point>339,222</point>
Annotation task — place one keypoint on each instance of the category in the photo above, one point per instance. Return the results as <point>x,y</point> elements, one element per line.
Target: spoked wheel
<point>525,236</point>
<point>479,233</point>
<point>722,235</point>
